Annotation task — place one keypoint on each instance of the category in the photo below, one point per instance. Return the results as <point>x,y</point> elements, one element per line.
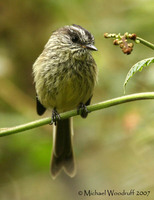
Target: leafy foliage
<point>138,67</point>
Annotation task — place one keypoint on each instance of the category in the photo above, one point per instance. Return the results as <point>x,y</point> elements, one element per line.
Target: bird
<point>65,74</point>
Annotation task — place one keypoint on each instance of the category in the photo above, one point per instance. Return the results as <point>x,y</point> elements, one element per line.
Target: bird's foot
<point>55,117</point>
<point>82,110</point>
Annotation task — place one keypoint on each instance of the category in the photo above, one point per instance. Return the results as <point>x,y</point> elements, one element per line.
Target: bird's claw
<point>55,117</point>
<point>82,110</point>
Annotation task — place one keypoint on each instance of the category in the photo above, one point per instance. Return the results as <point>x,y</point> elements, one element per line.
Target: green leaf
<point>137,67</point>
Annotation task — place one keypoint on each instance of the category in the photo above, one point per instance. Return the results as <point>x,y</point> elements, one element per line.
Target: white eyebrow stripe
<point>79,30</point>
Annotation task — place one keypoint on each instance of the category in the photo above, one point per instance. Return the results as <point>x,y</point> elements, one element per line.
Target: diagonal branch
<point>145,42</point>
<point>91,108</point>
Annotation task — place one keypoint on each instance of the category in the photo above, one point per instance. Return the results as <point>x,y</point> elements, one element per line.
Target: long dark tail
<point>62,149</point>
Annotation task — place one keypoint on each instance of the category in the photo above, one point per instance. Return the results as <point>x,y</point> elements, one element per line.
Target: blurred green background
<point>114,147</point>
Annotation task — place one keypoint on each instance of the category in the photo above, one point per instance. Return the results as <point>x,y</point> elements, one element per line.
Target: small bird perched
<point>65,75</point>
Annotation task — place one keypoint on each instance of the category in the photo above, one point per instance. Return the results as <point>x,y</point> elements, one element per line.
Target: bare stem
<point>145,42</point>
<point>91,108</point>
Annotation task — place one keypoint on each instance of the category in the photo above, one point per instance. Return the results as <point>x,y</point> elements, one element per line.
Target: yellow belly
<point>70,93</point>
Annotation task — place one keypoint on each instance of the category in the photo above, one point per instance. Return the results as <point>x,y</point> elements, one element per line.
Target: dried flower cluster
<point>122,41</point>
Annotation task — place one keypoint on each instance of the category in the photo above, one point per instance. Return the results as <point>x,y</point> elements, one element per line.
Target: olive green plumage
<point>65,75</point>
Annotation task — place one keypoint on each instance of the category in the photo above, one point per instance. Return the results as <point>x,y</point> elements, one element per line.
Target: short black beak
<point>91,47</point>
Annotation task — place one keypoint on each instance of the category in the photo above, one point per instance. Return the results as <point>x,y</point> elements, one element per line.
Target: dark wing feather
<point>39,107</point>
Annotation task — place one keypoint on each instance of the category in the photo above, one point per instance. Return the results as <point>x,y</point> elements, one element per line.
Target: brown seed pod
<point>106,35</point>
<point>133,36</point>
<point>121,45</point>
<point>130,45</point>
<point>127,50</point>
<point>116,42</point>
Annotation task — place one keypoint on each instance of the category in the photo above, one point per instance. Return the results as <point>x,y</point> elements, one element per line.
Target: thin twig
<point>91,108</point>
<point>145,42</point>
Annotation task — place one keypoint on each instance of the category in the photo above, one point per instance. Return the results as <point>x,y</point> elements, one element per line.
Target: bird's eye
<point>75,38</point>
